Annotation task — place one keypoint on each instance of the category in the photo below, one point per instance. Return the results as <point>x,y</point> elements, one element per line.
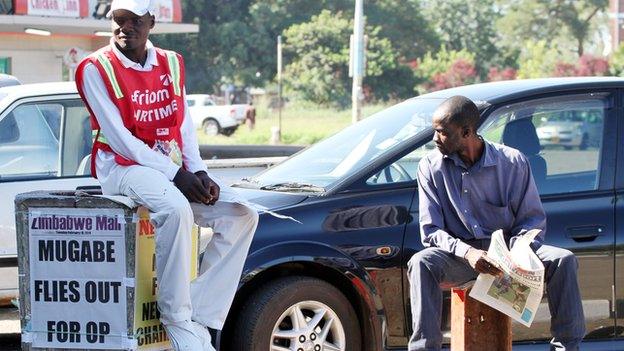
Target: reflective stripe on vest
<point>174,67</point>
<point>100,137</point>
<point>110,73</point>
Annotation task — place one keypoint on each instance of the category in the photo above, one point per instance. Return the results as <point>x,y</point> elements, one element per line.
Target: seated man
<point>145,148</point>
<point>468,188</point>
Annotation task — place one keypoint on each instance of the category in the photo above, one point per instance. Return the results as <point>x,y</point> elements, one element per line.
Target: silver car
<point>569,130</point>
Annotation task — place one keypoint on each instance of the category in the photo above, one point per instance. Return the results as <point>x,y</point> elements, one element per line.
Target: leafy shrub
<point>496,74</point>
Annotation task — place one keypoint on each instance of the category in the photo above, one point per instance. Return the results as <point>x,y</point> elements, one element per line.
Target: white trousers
<point>208,298</point>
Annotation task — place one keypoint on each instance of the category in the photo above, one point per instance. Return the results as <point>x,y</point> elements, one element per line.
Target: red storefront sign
<point>55,8</point>
<point>166,10</point>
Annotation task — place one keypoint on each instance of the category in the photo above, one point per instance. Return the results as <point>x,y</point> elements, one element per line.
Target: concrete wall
<point>36,59</point>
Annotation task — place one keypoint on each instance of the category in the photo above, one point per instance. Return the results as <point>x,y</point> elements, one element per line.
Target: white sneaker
<point>204,335</point>
<point>183,336</point>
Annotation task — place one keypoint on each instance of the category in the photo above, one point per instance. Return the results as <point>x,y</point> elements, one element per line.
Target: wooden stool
<point>476,326</point>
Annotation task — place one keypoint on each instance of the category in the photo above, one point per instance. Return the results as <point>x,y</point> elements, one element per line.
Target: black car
<point>337,280</point>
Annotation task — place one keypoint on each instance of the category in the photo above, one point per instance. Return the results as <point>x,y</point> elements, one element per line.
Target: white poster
<point>164,10</point>
<point>61,8</point>
<point>77,270</point>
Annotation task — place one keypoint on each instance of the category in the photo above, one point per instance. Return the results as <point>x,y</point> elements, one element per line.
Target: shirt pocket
<point>492,217</point>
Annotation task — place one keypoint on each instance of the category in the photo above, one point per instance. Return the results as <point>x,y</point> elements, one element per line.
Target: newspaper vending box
<point>87,273</point>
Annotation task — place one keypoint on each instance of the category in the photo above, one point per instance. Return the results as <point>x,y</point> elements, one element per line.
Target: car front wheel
<point>297,313</point>
<point>211,127</point>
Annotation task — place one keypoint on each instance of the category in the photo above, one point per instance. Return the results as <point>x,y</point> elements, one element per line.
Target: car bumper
<point>558,141</point>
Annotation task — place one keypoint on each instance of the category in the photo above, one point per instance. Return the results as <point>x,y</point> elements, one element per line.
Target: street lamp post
<point>357,61</point>
<point>276,135</point>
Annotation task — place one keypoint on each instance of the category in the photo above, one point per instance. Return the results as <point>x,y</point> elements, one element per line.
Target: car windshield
<point>349,150</point>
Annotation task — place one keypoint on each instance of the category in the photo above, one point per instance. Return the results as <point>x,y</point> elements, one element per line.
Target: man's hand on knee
<point>210,185</point>
<point>191,186</point>
<point>478,260</point>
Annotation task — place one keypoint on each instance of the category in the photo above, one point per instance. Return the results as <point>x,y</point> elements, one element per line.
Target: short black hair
<point>461,111</point>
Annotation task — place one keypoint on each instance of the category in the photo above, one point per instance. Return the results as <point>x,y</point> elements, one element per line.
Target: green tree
<point>441,62</point>
<point>567,24</point>
<point>440,70</point>
<point>466,25</point>
<point>318,56</point>
<point>616,62</point>
<point>404,23</point>
<point>237,39</point>
<point>537,60</point>
<point>222,49</point>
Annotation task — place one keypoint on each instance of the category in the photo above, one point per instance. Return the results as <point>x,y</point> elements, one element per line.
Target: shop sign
<point>55,8</point>
<point>168,10</point>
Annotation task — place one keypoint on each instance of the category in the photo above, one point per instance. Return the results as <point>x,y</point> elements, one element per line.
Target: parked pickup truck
<point>212,118</point>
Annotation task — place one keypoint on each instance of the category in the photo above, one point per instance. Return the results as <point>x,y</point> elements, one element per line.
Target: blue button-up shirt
<point>458,204</point>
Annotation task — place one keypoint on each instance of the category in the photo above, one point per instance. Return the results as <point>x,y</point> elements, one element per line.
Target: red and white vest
<point>150,103</point>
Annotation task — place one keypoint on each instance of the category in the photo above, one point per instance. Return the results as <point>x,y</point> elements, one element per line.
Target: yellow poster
<point>149,333</point>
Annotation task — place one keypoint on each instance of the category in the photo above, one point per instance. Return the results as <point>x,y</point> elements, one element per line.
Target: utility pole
<point>357,61</point>
<point>276,135</point>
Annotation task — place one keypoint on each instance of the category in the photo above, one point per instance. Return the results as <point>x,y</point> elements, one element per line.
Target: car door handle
<point>585,233</point>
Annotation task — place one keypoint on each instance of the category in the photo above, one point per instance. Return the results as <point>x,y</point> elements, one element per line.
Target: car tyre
<point>211,127</point>
<point>228,131</point>
<point>584,142</point>
<point>297,313</point>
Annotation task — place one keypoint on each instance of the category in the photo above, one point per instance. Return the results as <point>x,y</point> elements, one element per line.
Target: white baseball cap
<point>138,7</point>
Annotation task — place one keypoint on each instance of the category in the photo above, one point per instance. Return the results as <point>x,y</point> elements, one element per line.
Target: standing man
<point>468,188</point>
<point>145,148</point>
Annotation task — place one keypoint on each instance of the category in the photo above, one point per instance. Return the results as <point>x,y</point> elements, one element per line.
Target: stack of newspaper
<point>518,291</point>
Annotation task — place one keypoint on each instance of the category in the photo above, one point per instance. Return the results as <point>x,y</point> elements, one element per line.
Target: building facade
<point>42,40</point>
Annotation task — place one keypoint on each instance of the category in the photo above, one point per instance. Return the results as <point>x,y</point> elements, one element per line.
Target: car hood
<point>271,199</point>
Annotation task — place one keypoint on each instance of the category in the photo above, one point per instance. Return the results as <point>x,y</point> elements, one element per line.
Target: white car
<point>569,130</point>
<point>215,119</point>
<point>45,138</point>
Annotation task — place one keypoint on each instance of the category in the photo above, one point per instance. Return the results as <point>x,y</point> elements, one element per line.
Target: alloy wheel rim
<point>210,128</point>
<point>308,326</point>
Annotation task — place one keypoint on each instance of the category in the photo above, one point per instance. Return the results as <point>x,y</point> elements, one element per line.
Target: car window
<point>208,102</point>
<point>561,137</point>
<point>402,170</point>
<point>190,102</point>
<point>76,139</point>
<point>354,147</point>
<point>29,144</point>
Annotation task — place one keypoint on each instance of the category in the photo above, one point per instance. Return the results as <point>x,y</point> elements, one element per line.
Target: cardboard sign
<point>148,331</point>
<point>77,268</point>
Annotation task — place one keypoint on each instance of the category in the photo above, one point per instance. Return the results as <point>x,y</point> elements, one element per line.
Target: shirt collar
<point>488,158</point>
<point>127,63</point>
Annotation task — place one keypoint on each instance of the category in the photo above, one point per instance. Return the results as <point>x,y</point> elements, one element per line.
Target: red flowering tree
<point>496,74</point>
<point>587,65</point>
<point>461,72</point>
<point>564,69</point>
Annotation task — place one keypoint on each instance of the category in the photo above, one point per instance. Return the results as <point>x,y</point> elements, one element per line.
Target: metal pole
<point>279,85</point>
<point>358,61</point>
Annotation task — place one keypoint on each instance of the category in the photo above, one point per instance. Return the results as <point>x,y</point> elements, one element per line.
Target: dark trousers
<point>434,269</point>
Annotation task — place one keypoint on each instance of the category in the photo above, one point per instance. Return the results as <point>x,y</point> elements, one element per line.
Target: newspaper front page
<point>518,291</point>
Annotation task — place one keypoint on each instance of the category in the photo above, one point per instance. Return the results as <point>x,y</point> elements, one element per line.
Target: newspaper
<point>518,291</point>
